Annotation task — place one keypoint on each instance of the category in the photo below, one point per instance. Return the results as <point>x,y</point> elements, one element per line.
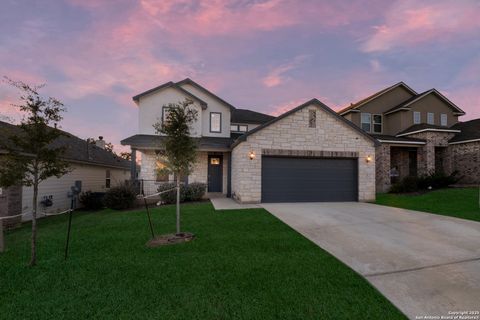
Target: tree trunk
<point>33,259</point>
<point>178,203</point>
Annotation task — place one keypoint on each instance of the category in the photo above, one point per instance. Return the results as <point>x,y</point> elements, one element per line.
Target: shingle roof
<point>155,142</point>
<point>76,149</point>
<point>170,84</point>
<point>306,104</point>
<point>425,127</point>
<point>249,116</point>
<point>375,95</point>
<point>384,138</point>
<point>419,96</point>
<point>470,130</point>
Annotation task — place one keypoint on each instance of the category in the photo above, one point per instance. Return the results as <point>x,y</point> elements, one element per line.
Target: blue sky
<point>269,55</point>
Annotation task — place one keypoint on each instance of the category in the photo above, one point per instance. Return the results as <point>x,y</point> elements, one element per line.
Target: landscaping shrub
<point>171,196</point>
<point>92,200</point>
<point>195,191</point>
<point>191,192</point>
<point>120,197</point>
<point>426,182</point>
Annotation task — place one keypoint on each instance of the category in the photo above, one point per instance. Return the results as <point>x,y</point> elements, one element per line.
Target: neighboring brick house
<point>419,133</point>
<point>307,154</point>
<point>96,168</point>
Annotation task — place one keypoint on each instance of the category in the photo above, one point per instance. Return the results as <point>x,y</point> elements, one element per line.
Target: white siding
<point>92,177</point>
<point>150,110</point>
<point>213,106</point>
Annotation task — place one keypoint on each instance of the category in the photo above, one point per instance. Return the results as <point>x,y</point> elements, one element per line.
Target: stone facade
<point>11,204</point>
<point>198,174</point>
<point>465,159</point>
<point>382,168</point>
<point>426,153</point>
<point>293,133</point>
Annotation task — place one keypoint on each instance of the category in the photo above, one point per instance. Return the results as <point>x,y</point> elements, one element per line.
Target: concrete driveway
<point>425,264</point>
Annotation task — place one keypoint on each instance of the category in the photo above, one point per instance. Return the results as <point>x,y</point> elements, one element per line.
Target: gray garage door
<point>287,179</point>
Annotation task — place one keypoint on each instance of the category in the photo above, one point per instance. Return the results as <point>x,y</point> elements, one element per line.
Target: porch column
<point>133,165</point>
<point>426,159</point>
<point>382,168</point>
<point>229,174</point>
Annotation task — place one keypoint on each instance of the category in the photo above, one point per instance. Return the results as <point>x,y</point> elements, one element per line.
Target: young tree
<point>179,147</point>
<point>30,156</point>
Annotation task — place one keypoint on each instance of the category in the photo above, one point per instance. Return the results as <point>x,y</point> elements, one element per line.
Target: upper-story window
<point>444,119</point>
<point>239,128</point>
<point>366,120</point>
<point>431,118</point>
<point>215,122</point>
<point>377,123</point>
<point>417,117</point>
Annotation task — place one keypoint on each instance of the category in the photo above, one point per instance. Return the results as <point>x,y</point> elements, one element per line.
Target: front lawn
<point>245,264</point>
<point>454,202</point>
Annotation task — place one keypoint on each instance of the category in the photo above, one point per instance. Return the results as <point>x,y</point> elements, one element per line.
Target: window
<point>444,119</point>
<point>377,123</point>
<point>165,113</point>
<point>417,117</point>
<point>366,122</point>
<point>312,118</point>
<point>215,122</point>
<point>107,179</point>
<point>161,173</point>
<point>239,128</point>
<point>215,161</point>
<point>431,118</point>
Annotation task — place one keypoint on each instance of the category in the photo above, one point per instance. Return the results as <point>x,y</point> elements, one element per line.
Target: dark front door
<point>215,173</point>
<point>309,179</point>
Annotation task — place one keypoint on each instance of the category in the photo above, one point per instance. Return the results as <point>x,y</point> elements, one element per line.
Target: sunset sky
<point>267,55</point>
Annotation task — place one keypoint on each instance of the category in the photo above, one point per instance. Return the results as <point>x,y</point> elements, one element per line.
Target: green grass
<point>454,202</point>
<point>244,264</point>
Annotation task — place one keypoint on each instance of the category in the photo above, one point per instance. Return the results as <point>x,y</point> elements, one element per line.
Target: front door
<point>215,173</point>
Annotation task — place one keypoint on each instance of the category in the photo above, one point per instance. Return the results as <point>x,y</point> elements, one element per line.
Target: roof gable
<point>173,85</point>
<point>406,104</point>
<point>204,90</point>
<point>315,102</point>
<point>354,106</point>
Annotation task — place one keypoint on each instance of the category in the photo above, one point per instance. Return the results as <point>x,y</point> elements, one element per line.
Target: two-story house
<point>419,134</point>
<point>309,153</point>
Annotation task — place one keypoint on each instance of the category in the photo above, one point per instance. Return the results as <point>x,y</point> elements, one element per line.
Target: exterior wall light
<point>369,159</point>
<point>251,155</point>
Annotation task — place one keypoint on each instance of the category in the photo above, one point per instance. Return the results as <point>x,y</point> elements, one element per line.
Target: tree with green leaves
<point>30,155</point>
<point>178,145</point>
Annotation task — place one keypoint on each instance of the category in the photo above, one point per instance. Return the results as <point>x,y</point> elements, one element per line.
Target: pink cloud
<point>408,23</point>
<point>277,75</point>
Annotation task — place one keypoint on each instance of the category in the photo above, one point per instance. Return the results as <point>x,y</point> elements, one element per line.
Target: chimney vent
<point>100,142</point>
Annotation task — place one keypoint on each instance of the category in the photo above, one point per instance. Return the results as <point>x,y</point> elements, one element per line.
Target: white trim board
<point>425,130</point>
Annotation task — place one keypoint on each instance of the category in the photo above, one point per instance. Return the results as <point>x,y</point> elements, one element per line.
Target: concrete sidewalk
<point>222,203</point>
<point>425,264</point>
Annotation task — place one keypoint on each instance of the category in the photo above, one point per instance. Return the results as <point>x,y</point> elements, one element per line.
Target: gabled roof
<point>354,106</point>
<point>204,90</point>
<point>315,102</point>
<point>77,150</point>
<point>150,141</point>
<point>406,104</point>
<point>422,127</point>
<point>470,131</point>
<point>399,140</point>
<point>173,85</point>
<point>249,116</point>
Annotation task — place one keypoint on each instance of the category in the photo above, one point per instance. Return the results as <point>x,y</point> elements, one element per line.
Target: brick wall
<point>293,133</point>
<point>465,158</point>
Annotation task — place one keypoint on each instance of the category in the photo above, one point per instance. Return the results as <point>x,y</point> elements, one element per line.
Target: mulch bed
<point>167,239</point>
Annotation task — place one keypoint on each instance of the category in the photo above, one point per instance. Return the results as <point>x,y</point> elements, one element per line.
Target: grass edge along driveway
<point>454,202</point>
<point>244,264</point>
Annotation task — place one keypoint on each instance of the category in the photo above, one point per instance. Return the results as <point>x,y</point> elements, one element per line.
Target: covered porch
<point>212,166</point>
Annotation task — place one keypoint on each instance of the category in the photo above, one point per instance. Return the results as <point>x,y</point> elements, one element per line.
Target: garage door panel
<point>286,179</point>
